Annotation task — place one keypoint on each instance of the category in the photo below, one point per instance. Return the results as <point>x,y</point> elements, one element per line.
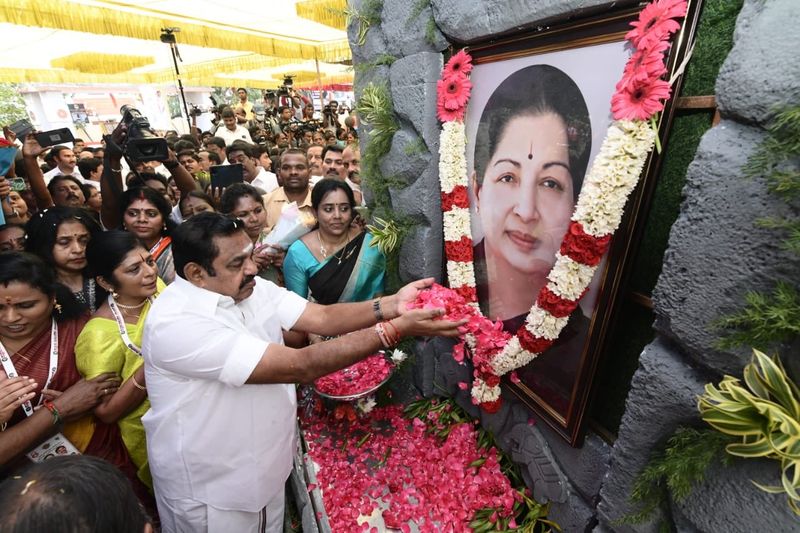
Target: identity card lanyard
<point>11,372</point>
<point>123,331</point>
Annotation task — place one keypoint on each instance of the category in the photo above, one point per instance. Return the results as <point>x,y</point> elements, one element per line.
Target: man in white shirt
<point>65,161</point>
<point>221,426</point>
<point>254,173</point>
<point>232,131</point>
<point>314,157</point>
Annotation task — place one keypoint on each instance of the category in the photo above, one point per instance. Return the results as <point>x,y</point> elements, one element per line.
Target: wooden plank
<point>696,102</point>
<point>641,299</point>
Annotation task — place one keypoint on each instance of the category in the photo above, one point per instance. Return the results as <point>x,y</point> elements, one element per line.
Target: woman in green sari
<point>334,262</point>
<point>111,340</point>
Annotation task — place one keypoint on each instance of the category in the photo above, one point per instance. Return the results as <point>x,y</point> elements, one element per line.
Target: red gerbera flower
<point>644,64</point>
<point>460,63</point>
<point>655,22</point>
<point>640,101</point>
<point>453,95</point>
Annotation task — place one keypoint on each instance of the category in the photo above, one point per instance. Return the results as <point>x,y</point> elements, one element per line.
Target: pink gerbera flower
<point>460,63</point>
<point>655,22</point>
<point>452,97</point>
<point>643,65</point>
<point>640,101</point>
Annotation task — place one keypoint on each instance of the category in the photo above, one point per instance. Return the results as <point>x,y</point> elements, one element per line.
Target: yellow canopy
<point>252,44</point>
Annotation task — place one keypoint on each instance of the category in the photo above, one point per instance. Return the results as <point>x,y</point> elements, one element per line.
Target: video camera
<point>141,142</point>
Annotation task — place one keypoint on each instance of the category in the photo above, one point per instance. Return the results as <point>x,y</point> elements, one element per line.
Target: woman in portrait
<point>531,152</point>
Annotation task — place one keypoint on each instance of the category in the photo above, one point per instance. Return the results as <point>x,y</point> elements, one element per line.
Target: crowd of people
<point>145,321</point>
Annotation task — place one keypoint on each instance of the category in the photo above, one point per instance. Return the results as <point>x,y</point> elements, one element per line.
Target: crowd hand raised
<point>5,187</point>
<point>13,393</point>
<point>83,395</point>
<point>426,323</point>
<point>31,147</point>
<point>216,194</point>
<point>9,135</point>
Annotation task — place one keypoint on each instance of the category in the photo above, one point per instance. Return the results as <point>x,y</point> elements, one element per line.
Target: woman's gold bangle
<point>136,383</point>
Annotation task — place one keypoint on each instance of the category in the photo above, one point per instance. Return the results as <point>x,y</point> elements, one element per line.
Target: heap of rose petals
<point>355,379</point>
<point>484,337</point>
<point>386,463</point>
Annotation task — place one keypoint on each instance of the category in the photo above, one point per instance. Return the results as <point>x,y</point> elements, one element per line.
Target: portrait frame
<point>581,49</point>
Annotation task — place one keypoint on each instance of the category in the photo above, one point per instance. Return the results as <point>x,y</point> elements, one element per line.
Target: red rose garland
<point>639,96</point>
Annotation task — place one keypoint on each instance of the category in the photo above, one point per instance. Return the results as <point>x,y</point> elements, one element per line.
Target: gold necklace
<point>324,252</point>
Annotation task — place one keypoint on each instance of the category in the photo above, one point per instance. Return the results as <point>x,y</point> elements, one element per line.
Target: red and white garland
<point>615,171</point>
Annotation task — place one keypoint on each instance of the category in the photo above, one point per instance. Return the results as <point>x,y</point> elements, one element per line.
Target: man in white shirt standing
<point>221,426</point>
<point>65,161</point>
<point>253,172</point>
<point>232,131</point>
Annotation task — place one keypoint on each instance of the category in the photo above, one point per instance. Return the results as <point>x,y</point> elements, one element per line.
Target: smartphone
<point>54,137</point>
<point>21,128</point>
<point>17,184</point>
<point>226,175</point>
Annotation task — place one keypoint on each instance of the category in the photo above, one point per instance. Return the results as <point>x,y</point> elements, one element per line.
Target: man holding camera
<point>244,104</point>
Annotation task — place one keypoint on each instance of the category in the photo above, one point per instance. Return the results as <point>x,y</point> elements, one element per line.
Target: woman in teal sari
<point>334,262</point>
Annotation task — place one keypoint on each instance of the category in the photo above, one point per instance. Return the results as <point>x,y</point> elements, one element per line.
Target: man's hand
<point>423,323</point>
<point>406,295</point>
<point>9,135</point>
<point>31,147</point>
<point>5,187</point>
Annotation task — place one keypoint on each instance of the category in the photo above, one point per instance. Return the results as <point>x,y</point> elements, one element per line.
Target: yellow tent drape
<point>96,63</point>
<point>65,15</point>
<point>328,12</point>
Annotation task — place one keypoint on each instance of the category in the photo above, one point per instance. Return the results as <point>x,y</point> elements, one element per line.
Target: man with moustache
<point>66,191</point>
<point>333,167</point>
<point>221,426</point>
<point>65,161</point>
<point>314,157</point>
<point>294,171</point>
<point>253,172</point>
<point>351,159</point>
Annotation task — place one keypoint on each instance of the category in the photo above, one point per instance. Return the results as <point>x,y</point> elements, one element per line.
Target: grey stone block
<point>471,21</point>
<point>716,252</point>
<point>405,160</point>
<point>419,258</point>
<point>377,75</point>
<point>738,505</point>
<point>407,34</point>
<point>374,43</point>
<point>413,83</point>
<point>662,397</point>
<point>574,514</point>
<point>761,72</point>
<point>528,448</point>
<point>585,466</point>
<point>422,201</point>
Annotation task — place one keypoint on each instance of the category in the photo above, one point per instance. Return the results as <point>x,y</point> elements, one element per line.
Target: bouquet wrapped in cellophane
<point>291,225</point>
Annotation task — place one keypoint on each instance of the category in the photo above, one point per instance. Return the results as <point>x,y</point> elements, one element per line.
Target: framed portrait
<point>537,116</point>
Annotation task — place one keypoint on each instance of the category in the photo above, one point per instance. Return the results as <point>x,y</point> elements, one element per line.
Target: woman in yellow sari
<point>111,340</point>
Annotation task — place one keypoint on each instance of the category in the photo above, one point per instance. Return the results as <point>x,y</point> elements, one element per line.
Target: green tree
<point>12,105</point>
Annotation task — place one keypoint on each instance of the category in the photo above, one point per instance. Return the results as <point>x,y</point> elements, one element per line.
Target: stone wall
<point>715,256</point>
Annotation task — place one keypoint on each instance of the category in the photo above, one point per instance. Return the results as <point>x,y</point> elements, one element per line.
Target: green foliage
<point>12,105</point>
<point>764,319</point>
<point>417,147</point>
<point>780,148</point>
<point>430,31</point>
<point>366,17</point>
<point>383,59</point>
<point>529,515</point>
<point>684,461</point>
<point>385,235</point>
<point>764,413</point>
<point>418,7</point>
